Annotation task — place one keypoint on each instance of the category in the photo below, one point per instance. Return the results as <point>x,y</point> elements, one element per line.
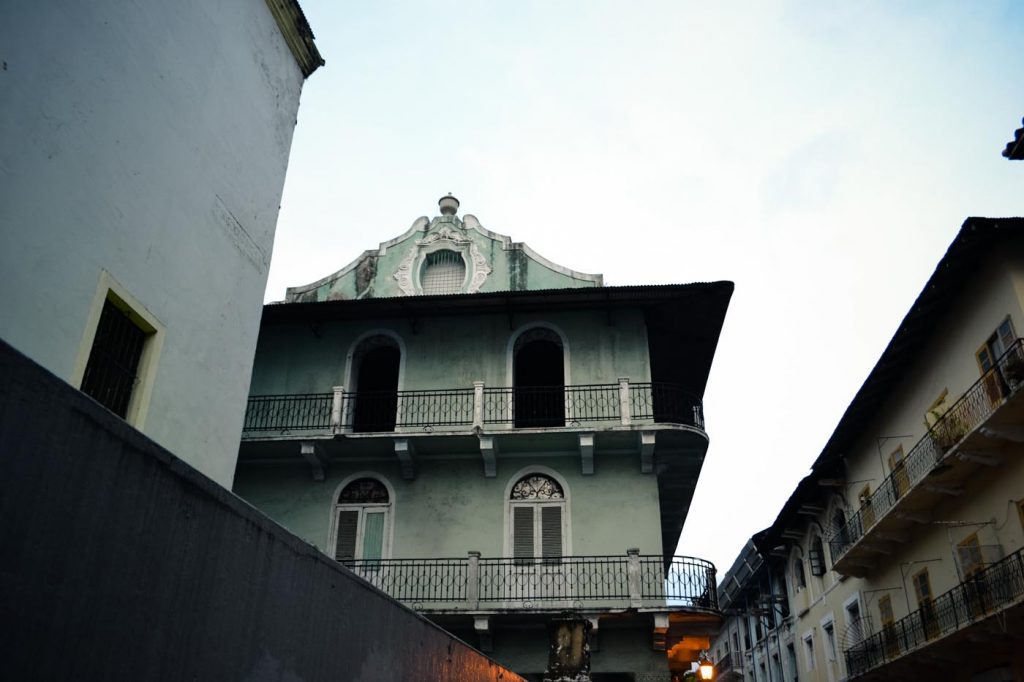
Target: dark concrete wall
<point>118,561</point>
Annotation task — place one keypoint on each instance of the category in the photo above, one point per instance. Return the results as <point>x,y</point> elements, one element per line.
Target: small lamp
<point>705,670</point>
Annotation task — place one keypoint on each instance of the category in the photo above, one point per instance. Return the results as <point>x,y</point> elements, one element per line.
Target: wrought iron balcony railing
<point>969,411</point>
<point>986,592</point>
<point>481,584</point>
<point>479,406</point>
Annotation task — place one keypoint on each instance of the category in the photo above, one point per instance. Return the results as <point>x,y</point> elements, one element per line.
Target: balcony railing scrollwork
<point>986,592</point>
<point>479,406</point>
<point>969,411</point>
<point>476,583</point>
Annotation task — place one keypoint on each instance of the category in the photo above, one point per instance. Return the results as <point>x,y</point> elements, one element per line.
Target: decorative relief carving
<point>480,269</point>
<point>446,233</point>
<point>404,272</point>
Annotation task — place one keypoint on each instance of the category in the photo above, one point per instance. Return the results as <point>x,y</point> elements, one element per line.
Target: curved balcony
<point>462,409</point>
<point>935,467</point>
<point>480,585</point>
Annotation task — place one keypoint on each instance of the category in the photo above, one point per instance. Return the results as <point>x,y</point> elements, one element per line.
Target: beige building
<point>902,551</point>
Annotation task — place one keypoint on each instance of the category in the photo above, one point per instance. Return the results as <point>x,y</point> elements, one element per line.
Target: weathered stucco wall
<point>449,352</point>
<point>450,508</point>
<point>121,562</point>
<point>148,140</point>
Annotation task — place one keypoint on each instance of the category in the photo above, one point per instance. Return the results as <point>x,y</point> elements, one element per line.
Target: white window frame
<point>850,601</point>
<point>808,640</point>
<point>110,289</point>
<point>828,623</point>
<point>363,508</point>
<point>566,505</point>
<point>423,266</point>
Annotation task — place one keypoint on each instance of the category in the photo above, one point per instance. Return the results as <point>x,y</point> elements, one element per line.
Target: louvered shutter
<point>551,534</point>
<point>522,534</point>
<point>1006,335</point>
<point>345,546</point>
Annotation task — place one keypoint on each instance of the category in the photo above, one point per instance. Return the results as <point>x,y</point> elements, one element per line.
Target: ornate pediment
<point>444,237</point>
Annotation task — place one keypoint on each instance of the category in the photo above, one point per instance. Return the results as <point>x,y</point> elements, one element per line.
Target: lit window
<point>992,352</point>
<point>969,551</point>
<point>443,272</point>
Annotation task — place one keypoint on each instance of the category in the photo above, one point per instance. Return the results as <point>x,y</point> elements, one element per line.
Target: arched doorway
<point>377,361</point>
<point>538,377</point>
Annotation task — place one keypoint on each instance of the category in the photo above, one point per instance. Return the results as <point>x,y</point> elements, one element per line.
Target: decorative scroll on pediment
<point>446,233</point>
<point>404,273</point>
<point>480,269</point>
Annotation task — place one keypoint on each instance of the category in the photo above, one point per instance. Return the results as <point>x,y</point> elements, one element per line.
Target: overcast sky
<point>822,158</point>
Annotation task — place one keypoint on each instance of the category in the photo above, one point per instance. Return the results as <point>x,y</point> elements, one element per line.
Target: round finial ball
<point>449,204</point>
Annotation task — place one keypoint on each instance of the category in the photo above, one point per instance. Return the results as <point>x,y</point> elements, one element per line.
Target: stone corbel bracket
<point>405,450</point>
<point>316,457</point>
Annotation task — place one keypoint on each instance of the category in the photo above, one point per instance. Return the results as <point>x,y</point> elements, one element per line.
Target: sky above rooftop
<point>821,157</point>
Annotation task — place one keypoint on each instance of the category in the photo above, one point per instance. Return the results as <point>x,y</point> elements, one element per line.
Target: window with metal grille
<point>111,372</point>
<point>443,272</point>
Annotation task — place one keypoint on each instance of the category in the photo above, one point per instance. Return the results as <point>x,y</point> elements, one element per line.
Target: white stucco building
<point>143,150</point>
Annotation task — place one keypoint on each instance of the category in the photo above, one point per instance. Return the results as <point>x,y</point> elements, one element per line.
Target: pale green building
<point>500,442</point>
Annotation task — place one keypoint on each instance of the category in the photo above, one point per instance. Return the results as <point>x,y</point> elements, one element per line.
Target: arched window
<point>377,360</point>
<point>816,555</point>
<point>443,272</point>
<point>538,375</point>
<point>799,578</point>
<point>838,533</point>
<point>537,517</point>
<point>361,522</point>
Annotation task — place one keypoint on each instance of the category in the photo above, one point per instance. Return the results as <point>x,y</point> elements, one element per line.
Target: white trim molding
<point>507,506</point>
<point>510,348</point>
<point>389,520</point>
<point>351,377</point>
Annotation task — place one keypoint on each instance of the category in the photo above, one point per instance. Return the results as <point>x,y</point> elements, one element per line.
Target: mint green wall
<point>449,352</point>
<point>450,508</point>
<point>512,266</point>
